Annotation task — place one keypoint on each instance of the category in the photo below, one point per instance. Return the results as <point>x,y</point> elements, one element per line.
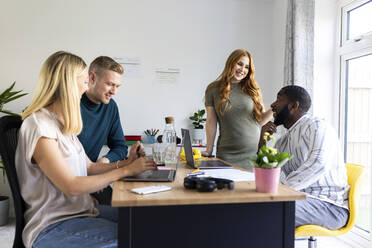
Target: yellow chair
<point>355,175</point>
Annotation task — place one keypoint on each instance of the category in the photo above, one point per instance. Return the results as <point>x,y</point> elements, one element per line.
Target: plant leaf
<point>8,112</point>
<point>10,94</point>
<point>198,119</point>
<point>283,155</point>
<point>5,92</point>
<point>281,163</point>
<point>14,97</point>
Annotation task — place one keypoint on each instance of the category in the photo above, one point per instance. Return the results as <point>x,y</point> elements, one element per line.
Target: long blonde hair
<point>58,82</point>
<point>248,84</point>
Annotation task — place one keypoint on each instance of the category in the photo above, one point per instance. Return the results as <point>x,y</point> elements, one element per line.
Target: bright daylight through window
<point>355,56</point>
<point>359,128</point>
<point>360,20</point>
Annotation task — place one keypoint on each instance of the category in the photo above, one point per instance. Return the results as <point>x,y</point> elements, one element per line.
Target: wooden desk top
<point>243,192</point>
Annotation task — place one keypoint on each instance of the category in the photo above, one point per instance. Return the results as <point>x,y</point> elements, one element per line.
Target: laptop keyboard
<point>156,174</point>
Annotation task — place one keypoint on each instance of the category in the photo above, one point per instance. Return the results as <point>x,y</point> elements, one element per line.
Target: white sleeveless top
<point>45,203</point>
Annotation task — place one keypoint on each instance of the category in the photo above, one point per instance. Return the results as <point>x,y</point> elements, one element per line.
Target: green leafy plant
<point>7,96</point>
<point>198,119</point>
<point>3,169</point>
<point>268,157</point>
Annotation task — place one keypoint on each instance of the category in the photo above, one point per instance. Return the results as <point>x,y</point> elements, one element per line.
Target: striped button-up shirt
<point>317,166</point>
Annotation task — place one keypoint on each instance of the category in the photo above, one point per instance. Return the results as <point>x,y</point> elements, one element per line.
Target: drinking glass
<point>158,153</point>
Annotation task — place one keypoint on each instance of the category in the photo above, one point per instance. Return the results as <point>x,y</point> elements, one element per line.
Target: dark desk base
<point>256,225</point>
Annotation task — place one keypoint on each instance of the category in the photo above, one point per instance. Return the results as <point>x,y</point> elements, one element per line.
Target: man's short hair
<point>297,93</point>
<point>102,63</point>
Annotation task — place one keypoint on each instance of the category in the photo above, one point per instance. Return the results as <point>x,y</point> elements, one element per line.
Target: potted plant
<point>198,120</point>
<point>267,165</point>
<point>4,201</point>
<point>6,96</point>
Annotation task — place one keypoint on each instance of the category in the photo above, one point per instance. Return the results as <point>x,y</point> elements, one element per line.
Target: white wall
<point>194,35</point>
<point>326,89</point>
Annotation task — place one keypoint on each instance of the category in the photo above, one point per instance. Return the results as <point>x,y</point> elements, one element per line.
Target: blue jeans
<point>82,231</point>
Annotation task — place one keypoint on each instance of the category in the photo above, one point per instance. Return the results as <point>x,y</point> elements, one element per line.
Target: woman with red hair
<point>234,102</point>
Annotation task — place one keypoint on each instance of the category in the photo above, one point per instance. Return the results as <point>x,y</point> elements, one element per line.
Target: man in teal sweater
<point>101,121</point>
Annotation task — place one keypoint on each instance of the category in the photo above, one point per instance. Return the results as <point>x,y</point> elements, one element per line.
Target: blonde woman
<point>54,174</point>
<point>234,102</point>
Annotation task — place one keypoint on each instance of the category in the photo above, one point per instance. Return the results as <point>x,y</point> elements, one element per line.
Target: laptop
<point>155,175</point>
<point>204,164</point>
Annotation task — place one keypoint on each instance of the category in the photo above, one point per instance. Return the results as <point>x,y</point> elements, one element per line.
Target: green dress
<point>239,131</point>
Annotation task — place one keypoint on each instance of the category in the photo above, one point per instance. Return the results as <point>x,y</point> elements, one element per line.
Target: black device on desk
<point>207,184</point>
<point>205,164</point>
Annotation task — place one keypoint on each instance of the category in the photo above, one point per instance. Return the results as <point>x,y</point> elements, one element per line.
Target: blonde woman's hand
<point>140,165</point>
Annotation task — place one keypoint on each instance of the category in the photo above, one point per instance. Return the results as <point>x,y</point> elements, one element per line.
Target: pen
<point>196,173</point>
<point>138,151</point>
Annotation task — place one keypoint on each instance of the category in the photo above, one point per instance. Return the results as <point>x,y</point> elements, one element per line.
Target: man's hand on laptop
<point>140,150</point>
<point>137,150</point>
<point>140,165</point>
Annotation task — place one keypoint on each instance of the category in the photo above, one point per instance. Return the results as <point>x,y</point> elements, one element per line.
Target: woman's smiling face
<point>241,69</point>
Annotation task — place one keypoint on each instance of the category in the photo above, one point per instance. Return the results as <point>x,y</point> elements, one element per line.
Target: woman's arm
<point>94,168</point>
<point>50,160</point>
<point>211,128</point>
<point>266,116</point>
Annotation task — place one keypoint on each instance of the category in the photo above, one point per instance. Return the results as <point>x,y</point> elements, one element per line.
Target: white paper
<point>231,174</point>
<point>132,66</point>
<point>151,189</point>
<point>167,75</point>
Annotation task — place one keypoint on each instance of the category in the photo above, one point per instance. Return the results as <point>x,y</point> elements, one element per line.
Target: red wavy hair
<point>248,84</point>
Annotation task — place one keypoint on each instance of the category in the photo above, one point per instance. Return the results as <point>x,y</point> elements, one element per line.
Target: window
<point>359,20</point>
<point>358,138</point>
<point>356,21</point>
<point>355,120</point>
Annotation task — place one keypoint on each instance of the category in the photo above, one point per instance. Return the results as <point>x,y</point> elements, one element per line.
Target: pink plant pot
<point>267,180</point>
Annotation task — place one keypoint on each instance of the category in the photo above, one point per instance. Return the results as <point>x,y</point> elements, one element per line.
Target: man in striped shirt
<point>317,166</point>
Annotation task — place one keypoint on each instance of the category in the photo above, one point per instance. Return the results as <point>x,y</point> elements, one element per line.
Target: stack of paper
<point>231,174</point>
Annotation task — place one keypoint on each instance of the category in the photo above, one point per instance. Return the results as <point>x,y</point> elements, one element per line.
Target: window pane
<point>360,20</point>
<point>358,128</point>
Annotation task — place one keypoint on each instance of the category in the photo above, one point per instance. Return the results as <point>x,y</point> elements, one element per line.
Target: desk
<point>186,218</point>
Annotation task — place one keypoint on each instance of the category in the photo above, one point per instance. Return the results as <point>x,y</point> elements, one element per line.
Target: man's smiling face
<point>280,109</point>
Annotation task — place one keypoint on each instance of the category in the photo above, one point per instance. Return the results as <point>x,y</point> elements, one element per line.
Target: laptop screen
<point>206,164</point>
<point>188,147</point>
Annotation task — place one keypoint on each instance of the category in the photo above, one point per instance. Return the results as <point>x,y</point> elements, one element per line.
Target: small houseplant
<point>267,163</point>
<point>6,96</point>
<point>197,121</point>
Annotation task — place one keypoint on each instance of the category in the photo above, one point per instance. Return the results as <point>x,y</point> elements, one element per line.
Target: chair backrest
<point>9,126</point>
<point>355,176</point>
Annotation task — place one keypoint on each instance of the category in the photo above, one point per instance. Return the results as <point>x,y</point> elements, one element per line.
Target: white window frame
<point>347,5</point>
<point>349,49</point>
